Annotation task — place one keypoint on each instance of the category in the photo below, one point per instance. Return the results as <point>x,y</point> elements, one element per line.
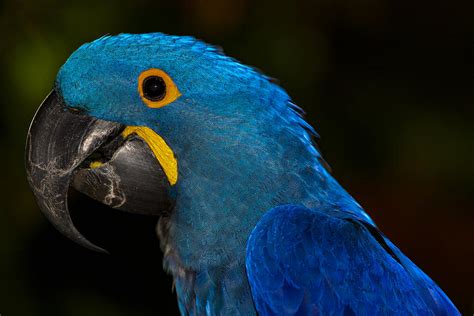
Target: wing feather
<point>303,261</point>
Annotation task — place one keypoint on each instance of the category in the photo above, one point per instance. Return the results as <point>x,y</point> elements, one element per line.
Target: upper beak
<point>67,148</point>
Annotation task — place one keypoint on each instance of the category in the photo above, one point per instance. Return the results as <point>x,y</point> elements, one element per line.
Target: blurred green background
<point>388,84</point>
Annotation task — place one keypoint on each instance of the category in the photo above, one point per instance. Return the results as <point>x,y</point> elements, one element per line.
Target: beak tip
<point>73,234</point>
<point>62,221</point>
<point>95,248</point>
<point>87,244</point>
<point>50,166</point>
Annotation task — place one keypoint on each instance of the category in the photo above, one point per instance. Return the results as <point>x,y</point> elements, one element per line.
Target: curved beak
<point>67,148</point>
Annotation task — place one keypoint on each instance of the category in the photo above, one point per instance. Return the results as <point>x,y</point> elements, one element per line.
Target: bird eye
<point>156,88</point>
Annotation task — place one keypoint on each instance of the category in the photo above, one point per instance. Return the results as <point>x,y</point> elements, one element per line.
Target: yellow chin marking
<point>158,146</point>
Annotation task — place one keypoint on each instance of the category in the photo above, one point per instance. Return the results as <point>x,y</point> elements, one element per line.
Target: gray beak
<point>66,148</point>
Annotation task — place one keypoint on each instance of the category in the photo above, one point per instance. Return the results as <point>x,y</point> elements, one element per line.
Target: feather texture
<point>326,261</point>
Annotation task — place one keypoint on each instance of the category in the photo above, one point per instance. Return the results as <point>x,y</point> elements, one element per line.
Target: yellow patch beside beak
<point>160,149</point>
<point>95,164</point>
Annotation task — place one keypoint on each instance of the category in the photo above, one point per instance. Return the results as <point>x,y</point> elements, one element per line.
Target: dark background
<point>389,86</point>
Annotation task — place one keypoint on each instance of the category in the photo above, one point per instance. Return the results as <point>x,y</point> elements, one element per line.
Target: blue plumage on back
<point>243,150</point>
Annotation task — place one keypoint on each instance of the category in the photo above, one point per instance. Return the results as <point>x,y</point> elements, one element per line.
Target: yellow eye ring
<point>156,88</point>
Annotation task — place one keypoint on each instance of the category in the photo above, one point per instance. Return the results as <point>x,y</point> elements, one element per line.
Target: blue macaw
<point>251,221</point>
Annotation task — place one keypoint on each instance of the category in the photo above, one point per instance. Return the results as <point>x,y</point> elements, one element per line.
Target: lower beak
<point>67,148</point>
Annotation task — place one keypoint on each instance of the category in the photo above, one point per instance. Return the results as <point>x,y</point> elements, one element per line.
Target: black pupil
<point>154,88</point>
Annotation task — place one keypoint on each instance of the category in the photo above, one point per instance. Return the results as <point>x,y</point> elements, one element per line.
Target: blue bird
<point>251,221</point>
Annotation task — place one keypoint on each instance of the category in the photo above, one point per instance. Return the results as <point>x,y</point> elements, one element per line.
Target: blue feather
<point>333,263</point>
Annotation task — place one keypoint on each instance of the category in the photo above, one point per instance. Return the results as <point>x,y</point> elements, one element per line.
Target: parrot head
<point>159,124</point>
